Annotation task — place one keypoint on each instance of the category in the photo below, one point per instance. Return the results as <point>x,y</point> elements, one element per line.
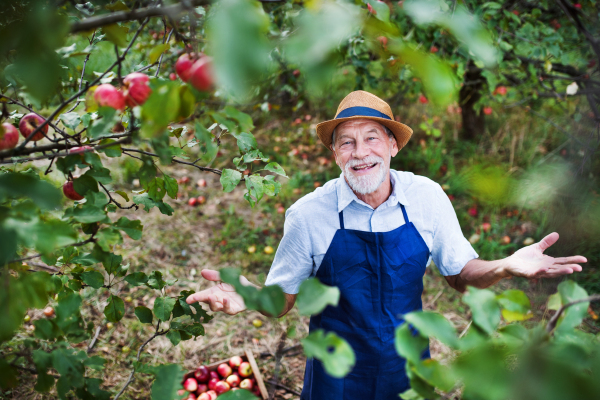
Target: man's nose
<point>361,150</point>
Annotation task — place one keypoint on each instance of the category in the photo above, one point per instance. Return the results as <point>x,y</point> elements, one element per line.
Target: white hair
<point>387,130</point>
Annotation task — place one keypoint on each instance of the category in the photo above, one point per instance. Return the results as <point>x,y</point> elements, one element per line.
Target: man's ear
<point>395,149</point>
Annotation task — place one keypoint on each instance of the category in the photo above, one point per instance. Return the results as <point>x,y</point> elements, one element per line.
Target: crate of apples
<point>207,382</point>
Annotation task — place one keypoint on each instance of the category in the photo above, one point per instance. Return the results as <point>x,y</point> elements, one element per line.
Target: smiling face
<point>363,151</point>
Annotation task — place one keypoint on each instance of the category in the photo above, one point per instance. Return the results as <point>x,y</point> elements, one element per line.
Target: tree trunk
<point>473,124</point>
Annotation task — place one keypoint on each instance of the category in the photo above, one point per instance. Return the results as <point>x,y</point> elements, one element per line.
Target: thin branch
<point>213,170</point>
<point>120,16</point>
<point>93,342</point>
<point>112,200</point>
<point>18,103</point>
<point>89,240</point>
<point>552,323</point>
<point>163,53</point>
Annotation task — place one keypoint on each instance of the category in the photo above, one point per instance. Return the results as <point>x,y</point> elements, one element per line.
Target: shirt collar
<point>346,196</point>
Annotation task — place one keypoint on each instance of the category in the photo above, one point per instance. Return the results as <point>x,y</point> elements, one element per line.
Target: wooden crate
<point>246,356</point>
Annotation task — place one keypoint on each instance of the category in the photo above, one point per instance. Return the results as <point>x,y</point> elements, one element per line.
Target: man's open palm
<point>531,262</point>
<point>221,297</point>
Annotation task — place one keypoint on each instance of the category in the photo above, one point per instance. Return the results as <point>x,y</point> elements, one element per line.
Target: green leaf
<point>115,309</point>
<point>85,183</point>
<point>93,278</point>
<point>333,351</point>
<point>242,118</point>
<point>433,324</point>
<point>163,306</point>
<point>103,125</point>
<point>116,34</point>
<point>554,302</point>
<point>275,168</point>
<point>155,280</point>
<point>573,315</point>
<point>382,11</point>
<point>515,305</point>
<point>69,366</point>
<point>408,345</point>
<point>246,142</point>
<point>144,314</point>
<point>110,151</point>
<point>174,336</point>
<point>136,278</point>
<point>157,51</point>
<point>484,307</point>
<point>156,189</point>
<point>42,193</point>
<point>100,174</point>
<point>43,362</point>
<point>171,186</point>
<point>269,299</point>
<point>71,120</point>
<point>241,394</point>
<point>112,262</point>
<point>87,214</point>
<point>254,184</point>
<point>432,372</point>
<point>8,375</point>
<point>313,297</point>
<point>229,179</point>
<point>133,229</point>
<point>145,201</point>
<point>237,33</point>
<point>167,382</point>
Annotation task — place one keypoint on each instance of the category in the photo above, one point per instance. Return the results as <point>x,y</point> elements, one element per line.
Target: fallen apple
<point>224,370</point>
<point>222,387</point>
<point>106,95</point>
<point>235,361</point>
<point>233,380</point>
<point>269,250</point>
<point>252,249</point>
<point>246,384</point>
<point>486,226</point>
<point>29,123</point>
<point>280,210</point>
<point>201,182</point>
<point>137,89</point>
<point>125,349</point>
<point>528,241</point>
<point>190,384</point>
<point>27,318</point>
<point>202,374</point>
<point>202,387</point>
<point>70,192</point>
<point>109,325</point>
<point>9,137</point>
<point>193,201</point>
<point>505,239</point>
<point>201,199</point>
<point>257,323</point>
<point>423,99</point>
<point>245,370</point>
<point>472,211</point>
<point>487,110</point>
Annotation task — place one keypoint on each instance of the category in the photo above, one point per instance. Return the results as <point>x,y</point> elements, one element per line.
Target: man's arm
<point>528,262</point>
<point>222,296</point>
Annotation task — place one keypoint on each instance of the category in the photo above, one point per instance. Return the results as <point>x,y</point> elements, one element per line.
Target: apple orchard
<point>108,107</point>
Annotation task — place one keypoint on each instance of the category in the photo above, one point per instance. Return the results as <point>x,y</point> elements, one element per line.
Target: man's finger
<point>197,297</point>
<point>548,241</point>
<point>211,275</point>
<point>214,304</point>
<point>570,260</point>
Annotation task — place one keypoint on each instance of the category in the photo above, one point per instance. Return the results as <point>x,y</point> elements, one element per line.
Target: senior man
<point>371,233</point>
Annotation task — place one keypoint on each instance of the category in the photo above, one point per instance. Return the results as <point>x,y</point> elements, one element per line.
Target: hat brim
<point>401,132</point>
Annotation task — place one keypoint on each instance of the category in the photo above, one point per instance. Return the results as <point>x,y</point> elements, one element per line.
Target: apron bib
<point>380,277</point>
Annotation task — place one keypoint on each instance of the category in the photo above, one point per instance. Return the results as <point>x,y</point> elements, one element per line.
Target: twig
<point>120,16</point>
<point>90,240</point>
<point>112,200</point>
<point>93,342</point>
<point>465,330</point>
<point>163,53</point>
<point>213,170</point>
<point>279,385</point>
<point>552,323</point>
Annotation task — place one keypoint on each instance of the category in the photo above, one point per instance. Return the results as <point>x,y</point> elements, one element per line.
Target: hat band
<point>361,111</point>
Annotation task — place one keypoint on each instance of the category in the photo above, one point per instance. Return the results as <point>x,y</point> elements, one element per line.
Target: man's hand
<point>222,296</point>
<point>531,262</point>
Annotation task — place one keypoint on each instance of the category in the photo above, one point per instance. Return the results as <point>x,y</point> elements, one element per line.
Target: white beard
<point>365,184</point>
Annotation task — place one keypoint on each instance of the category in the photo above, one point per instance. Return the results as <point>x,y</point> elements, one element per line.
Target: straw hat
<point>361,104</point>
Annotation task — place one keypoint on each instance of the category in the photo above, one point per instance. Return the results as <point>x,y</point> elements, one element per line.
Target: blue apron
<point>380,277</point>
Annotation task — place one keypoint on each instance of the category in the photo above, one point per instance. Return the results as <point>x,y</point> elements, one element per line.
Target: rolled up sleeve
<point>293,261</point>
<point>450,251</point>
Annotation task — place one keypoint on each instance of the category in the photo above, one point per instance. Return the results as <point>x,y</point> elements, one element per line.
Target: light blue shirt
<point>311,222</point>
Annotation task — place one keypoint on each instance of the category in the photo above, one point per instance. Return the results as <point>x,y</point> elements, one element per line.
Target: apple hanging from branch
<point>10,138</point>
<point>29,123</point>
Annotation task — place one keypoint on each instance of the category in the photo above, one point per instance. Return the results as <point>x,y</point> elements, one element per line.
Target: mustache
<point>367,160</point>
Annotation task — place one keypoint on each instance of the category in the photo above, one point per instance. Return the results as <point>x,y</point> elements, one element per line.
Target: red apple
<point>224,370</point>
<point>190,384</point>
<point>172,76</point>
<point>201,75</point>
<point>137,89</point>
<point>202,374</point>
<point>235,361</point>
<point>296,73</point>
<point>371,10</point>
<point>201,182</point>
<point>214,375</point>
<point>201,199</point>
<point>423,99</point>
<point>78,150</point>
<point>204,396</point>
<point>70,192</point>
<point>212,394</point>
<point>193,201</point>
<point>505,240</point>
<point>501,90</point>
<point>245,370</point>
<point>184,65</point>
<point>487,110</point>
<point>10,136</point>
<point>191,396</point>
<point>486,226</point>
<point>434,49</point>
<point>472,211</point>
<point>202,387</point>
<point>577,6</point>
<point>212,383</point>
<point>222,387</point>
<point>29,123</point>
<point>246,384</point>
<point>516,12</point>
<point>107,95</point>
<point>233,380</point>
<point>49,312</point>
<point>280,210</point>
<point>383,40</point>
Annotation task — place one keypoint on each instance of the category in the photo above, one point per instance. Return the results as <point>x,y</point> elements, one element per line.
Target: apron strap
<point>404,213</point>
<point>341,214</point>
